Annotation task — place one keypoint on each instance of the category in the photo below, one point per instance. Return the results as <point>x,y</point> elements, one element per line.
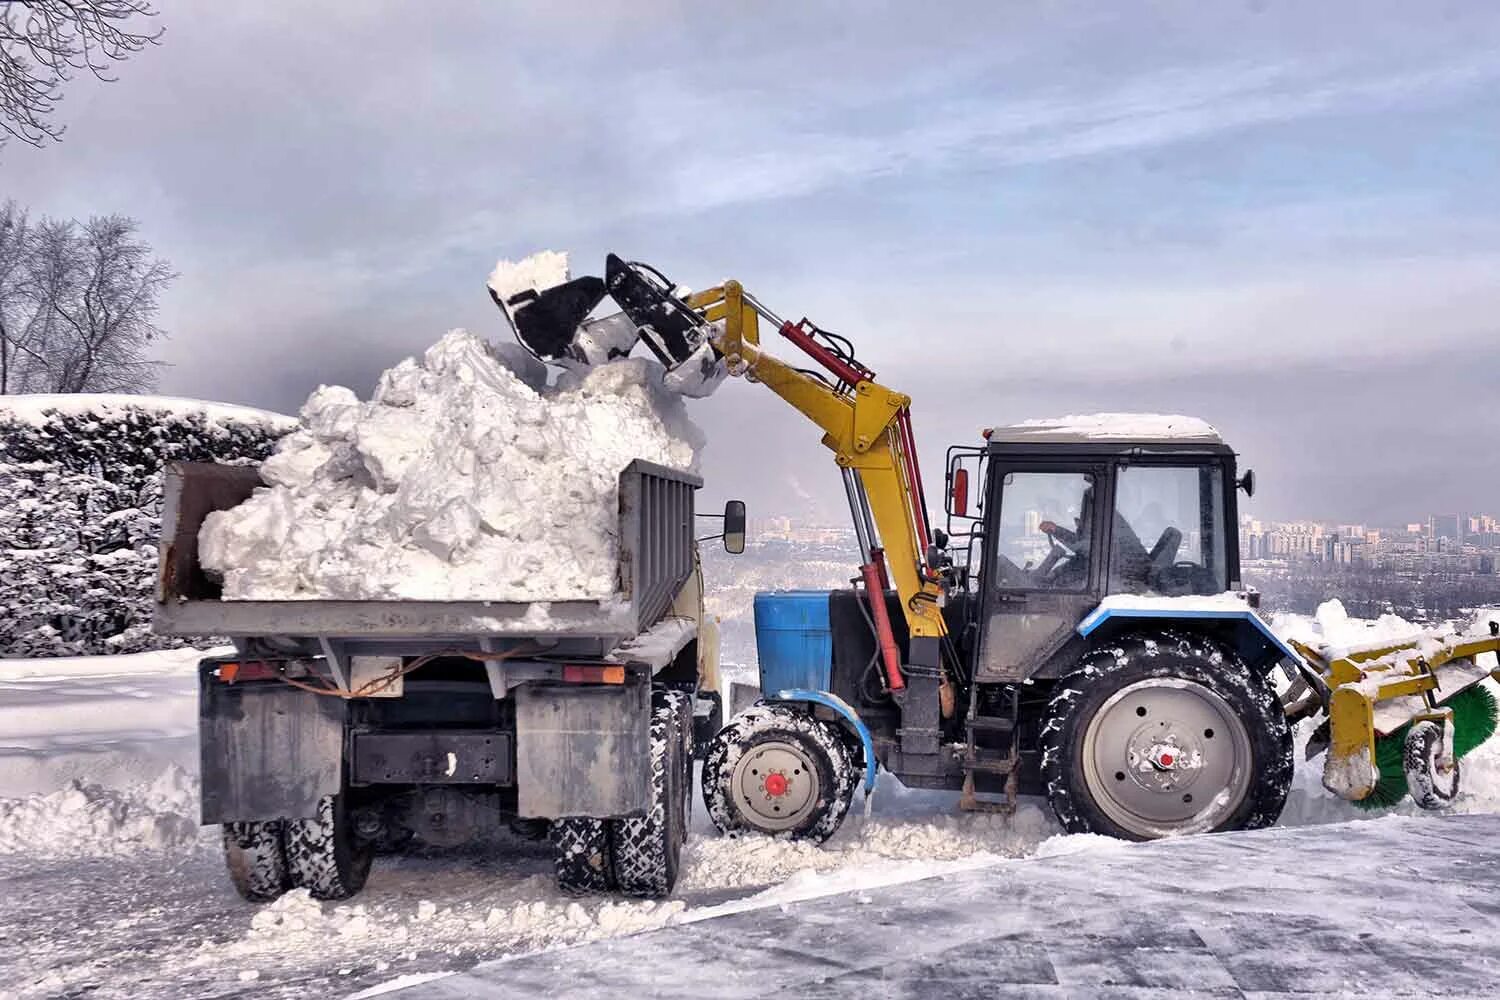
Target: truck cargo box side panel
<point>267,751</point>
<point>583,750</point>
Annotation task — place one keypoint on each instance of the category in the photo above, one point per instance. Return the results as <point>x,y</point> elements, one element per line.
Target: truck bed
<point>656,558</point>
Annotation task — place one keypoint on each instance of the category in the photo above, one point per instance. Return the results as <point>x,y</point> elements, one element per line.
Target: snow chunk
<point>537,272</point>
<point>462,479</point>
<point>1111,427</point>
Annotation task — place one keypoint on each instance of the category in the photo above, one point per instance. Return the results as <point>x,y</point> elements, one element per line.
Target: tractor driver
<point>1132,562</point>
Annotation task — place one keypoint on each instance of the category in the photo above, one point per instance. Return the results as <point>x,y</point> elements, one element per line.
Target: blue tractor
<point>1100,651</point>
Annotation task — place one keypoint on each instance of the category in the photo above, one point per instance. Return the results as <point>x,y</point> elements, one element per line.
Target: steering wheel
<point>1184,577</point>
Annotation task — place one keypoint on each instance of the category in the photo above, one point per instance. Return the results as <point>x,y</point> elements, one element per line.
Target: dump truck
<point>338,729</point>
<point>1079,630</point>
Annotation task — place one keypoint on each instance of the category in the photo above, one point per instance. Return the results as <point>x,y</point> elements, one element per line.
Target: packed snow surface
<point>33,408</point>
<point>1110,427</point>
<point>466,477</point>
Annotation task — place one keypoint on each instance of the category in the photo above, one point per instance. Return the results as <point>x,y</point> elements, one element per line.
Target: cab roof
<point>1109,428</point>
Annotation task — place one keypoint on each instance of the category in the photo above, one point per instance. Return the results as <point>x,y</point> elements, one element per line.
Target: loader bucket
<point>546,322</point>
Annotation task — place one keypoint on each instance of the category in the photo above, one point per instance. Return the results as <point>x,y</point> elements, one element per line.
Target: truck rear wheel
<point>1161,735</point>
<point>581,855</point>
<point>776,770</point>
<point>255,858</point>
<point>647,850</point>
<point>323,854</point>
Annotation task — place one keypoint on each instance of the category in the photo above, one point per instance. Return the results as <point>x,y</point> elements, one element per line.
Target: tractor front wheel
<point>1154,736</point>
<point>778,771</point>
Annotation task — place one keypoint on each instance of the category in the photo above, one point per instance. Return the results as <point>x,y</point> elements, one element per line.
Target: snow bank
<point>91,821</point>
<point>465,477</point>
<point>33,408</point>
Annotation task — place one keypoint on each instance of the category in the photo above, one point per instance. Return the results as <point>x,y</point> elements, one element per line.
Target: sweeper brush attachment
<point>553,324</point>
<point>1402,715</point>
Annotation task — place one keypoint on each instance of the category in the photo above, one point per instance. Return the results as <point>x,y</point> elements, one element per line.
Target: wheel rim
<point>775,785</point>
<point>1167,756</point>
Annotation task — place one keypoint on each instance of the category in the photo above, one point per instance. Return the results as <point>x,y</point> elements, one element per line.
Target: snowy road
<point>109,889</point>
<point>1379,909</point>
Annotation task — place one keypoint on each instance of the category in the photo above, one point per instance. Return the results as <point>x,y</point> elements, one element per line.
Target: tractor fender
<point>1252,638</point>
<point>847,715</point>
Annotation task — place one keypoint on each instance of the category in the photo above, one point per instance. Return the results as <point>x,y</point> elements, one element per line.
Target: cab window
<point>1168,531</point>
<point>1044,536</point>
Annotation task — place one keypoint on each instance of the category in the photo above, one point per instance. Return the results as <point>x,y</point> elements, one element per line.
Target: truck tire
<point>778,771</point>
<point>1165,734</point>
<point>581,855</point>
<point>324,856</point>
<point>255,858</point>
<point>647,850</point>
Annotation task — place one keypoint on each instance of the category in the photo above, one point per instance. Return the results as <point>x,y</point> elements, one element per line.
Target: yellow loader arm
<point>867,427</point>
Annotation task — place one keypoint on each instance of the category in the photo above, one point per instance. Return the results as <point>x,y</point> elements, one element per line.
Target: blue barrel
<point>794,640</point>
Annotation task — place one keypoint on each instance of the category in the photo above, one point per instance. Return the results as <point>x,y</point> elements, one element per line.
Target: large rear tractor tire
<point>323,854</point>
<point>778,771</point>
<point>1161,735</point>
<point>647,850</point>
<point>581,855</point>
<point>256,860</point>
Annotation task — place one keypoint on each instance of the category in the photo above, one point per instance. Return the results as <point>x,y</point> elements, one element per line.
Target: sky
<point>1281,217</point>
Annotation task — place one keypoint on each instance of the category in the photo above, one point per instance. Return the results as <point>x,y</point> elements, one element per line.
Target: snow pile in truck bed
<point>464,478</point>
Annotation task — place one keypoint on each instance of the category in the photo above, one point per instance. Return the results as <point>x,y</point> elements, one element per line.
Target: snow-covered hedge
<point>80,509</point>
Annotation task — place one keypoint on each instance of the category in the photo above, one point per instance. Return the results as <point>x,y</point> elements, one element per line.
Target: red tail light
<point>579,674</point>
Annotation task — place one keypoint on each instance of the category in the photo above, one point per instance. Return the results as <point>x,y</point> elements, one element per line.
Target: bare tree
<point>44,42</point>
<point>77,305</point>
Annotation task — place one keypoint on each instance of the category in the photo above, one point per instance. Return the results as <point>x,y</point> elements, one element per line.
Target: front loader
<point>1079,631</point>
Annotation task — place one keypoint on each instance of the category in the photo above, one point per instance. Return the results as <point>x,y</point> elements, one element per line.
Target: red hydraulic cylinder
<point>888,651</point>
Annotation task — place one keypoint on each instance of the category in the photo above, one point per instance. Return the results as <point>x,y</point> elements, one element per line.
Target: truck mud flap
<point>582,750</point>
<point>267,751</point>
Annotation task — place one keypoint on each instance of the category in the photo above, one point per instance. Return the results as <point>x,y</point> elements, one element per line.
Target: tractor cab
<point>1048,518</point>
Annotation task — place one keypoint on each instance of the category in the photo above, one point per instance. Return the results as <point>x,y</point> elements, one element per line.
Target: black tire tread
<point>647,849</point>
<point>1132,657</point>
<point>322,855</point>
<point>256,859</point>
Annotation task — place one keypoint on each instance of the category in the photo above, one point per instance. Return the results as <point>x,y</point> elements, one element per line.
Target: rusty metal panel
<point>583,750</point>
<point>267,751</point>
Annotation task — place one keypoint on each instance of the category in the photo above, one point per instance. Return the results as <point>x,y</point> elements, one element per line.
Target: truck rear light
<point>250,670</point>
<point>579,674</point>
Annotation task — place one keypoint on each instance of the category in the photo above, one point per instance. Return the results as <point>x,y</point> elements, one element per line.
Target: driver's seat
<point>1164,552</point>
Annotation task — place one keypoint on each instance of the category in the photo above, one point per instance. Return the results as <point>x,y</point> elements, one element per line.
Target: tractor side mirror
<point>959,495</point>
<point>1247,482</point>
<point>734,527</point>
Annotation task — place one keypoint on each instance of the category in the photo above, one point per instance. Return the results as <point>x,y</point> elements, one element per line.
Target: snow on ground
<point>465,477</point>
<point>98,837</point>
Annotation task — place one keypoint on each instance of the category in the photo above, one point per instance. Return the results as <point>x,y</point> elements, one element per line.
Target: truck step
<point>991,724</point>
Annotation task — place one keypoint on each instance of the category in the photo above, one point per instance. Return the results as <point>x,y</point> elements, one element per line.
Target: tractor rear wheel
<point>1155,736</point>
<point>776,770</point>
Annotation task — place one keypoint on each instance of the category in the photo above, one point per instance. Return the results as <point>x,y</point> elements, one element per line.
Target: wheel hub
<point>1166,755</point>
<point>775,785</point>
